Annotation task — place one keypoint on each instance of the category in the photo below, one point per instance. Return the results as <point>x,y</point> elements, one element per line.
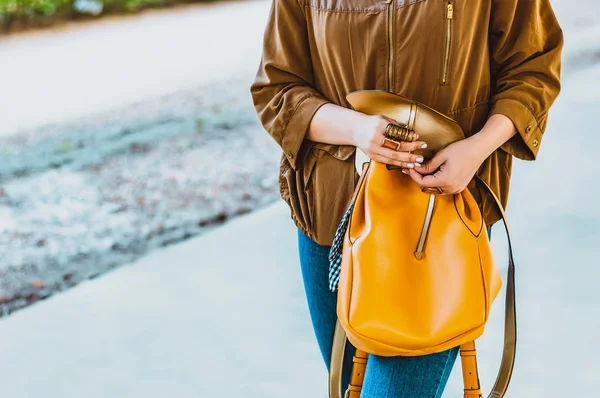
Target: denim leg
<point>314,262</point>
<point>408,377</point>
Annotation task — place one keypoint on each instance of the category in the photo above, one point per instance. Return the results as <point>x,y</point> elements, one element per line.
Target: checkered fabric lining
<point>335,254</point>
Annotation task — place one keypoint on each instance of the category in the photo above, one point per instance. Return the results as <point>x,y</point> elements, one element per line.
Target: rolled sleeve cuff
<point>526,143</point>
<point>294,143</point>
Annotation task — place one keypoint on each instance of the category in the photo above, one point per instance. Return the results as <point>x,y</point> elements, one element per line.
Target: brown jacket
<point>468,59</point>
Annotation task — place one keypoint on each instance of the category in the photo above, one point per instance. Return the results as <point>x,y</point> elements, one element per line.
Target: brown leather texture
<point>465,59</point>
<point>433,127</point>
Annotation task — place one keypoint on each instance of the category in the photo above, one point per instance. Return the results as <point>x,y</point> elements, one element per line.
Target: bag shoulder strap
<point>510,310</point>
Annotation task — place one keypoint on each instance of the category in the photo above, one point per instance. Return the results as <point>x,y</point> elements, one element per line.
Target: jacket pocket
<point>330,181</point>
<point>449,14</point>
<point>291,188</point>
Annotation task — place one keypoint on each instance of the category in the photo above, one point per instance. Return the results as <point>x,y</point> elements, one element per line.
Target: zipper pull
<point>450,14</point>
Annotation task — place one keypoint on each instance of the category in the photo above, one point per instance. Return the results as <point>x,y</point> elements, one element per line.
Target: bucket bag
<point>414,272</point>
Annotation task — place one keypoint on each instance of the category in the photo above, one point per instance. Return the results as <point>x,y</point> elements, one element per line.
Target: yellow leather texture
<point>359,367</point>
<point>468,357</point>
<point>390,301</point>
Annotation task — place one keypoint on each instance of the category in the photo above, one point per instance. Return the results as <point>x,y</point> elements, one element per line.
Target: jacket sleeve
<point>283,92</point>
<point>525,43</point>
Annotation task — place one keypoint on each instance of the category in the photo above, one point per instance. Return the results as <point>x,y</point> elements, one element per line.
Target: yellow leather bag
<point>417,271</point>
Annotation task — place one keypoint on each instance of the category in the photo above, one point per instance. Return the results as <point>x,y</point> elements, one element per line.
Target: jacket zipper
<point>449,18</point>
<point>390,23</point>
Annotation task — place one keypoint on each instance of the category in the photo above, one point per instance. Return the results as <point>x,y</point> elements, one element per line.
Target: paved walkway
<point>219,316</point>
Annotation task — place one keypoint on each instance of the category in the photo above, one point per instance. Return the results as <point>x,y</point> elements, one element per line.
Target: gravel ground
<point>78,200</point>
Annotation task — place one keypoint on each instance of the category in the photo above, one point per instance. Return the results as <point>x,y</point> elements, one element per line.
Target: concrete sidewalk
<point>218,316</point>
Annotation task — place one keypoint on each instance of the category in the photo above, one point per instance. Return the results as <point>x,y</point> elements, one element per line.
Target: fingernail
<point>420,159</point>
<point>410,165</point>
<point>417,164</point>
<point>423,146</point>
<point>405,172</point>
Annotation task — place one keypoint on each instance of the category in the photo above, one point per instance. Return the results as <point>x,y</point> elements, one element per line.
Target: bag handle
<point>468,353</point>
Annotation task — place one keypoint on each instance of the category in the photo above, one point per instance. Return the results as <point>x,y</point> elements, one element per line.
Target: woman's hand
<point>450,170</point>
<point>368,135</point>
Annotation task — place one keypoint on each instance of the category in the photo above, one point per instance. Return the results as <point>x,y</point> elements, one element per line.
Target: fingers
<point>404,164</point>
<point>415,175</point>
<point>402,159</point>
<point>430,176</point>
<point>432,172</point>
<point>381,125</point>
<point>433,165</point>
<point>403,146</point>
<point>400,154</point>
<point>429,183</point>
<point>432,182</point>
<point>411,146</point>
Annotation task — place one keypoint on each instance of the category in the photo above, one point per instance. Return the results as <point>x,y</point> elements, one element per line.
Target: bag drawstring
<point>426,224</point>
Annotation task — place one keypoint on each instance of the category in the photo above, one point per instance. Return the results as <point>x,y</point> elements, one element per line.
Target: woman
<point>493,66</point>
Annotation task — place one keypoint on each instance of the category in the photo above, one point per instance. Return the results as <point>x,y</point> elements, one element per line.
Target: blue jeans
<point>385,377</point>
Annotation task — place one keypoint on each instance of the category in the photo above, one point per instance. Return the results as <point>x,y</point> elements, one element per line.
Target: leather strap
<point>359,366</point>
<point>468,351</point>
<point>336,366</point>
<point>468,356</point>
<point>510,311</point>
